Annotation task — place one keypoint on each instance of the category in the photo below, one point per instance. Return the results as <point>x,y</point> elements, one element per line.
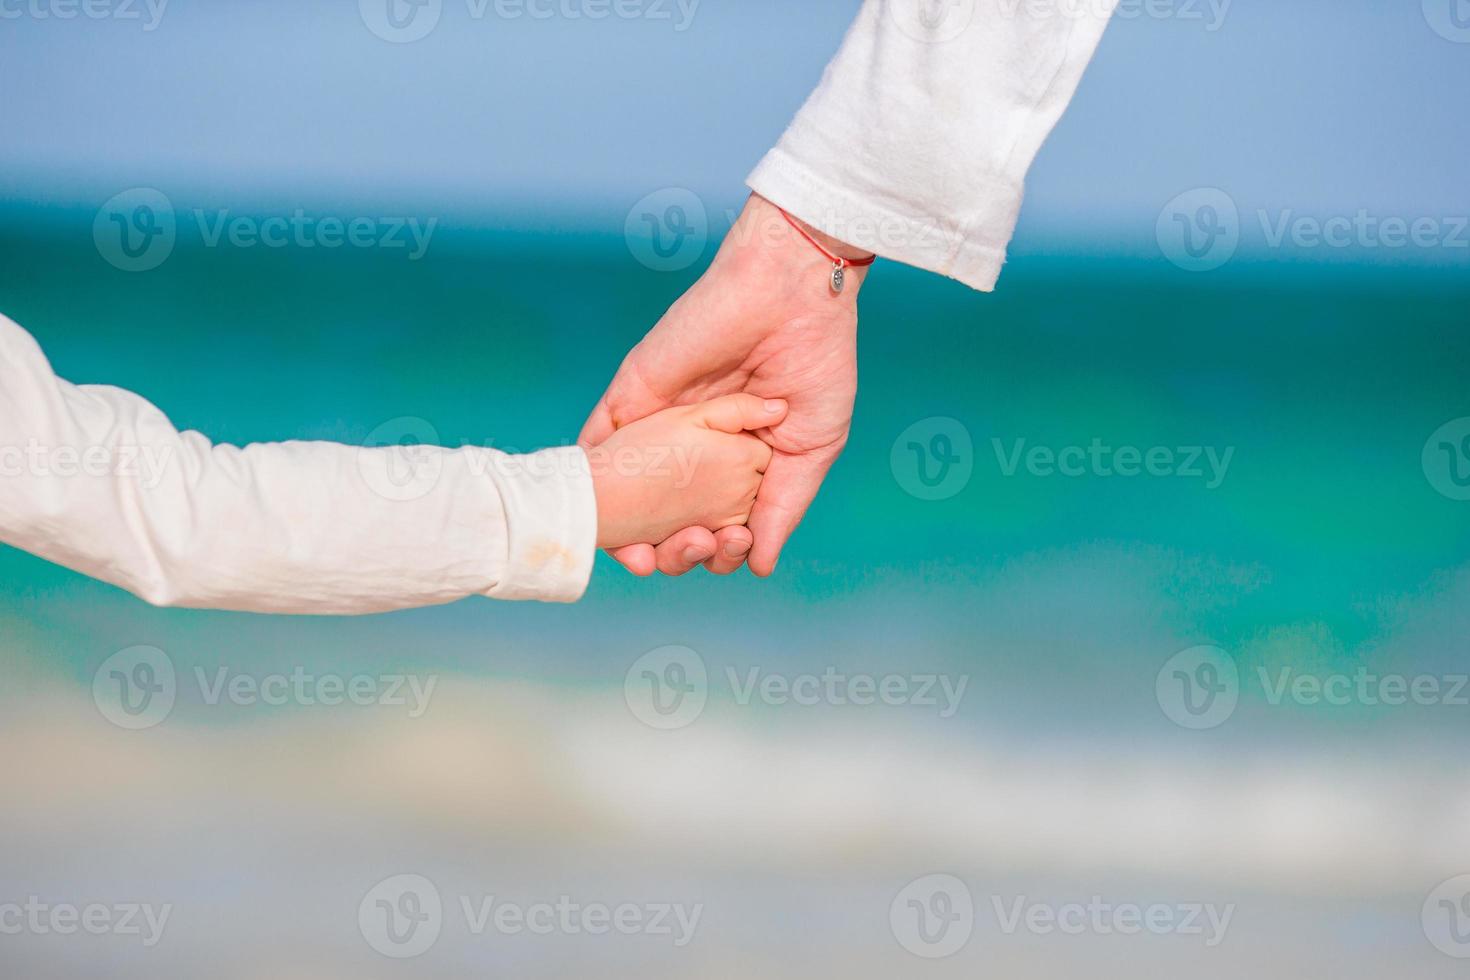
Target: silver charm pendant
<point>839,277</point>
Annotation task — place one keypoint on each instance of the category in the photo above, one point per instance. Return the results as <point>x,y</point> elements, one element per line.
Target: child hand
<point>682,467</point>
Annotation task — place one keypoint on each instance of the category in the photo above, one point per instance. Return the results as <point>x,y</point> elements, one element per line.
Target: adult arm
<point>916,143</point>
<point>99,480</point>
<point>915,147</point>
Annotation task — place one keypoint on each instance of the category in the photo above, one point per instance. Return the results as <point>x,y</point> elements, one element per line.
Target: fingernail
<point>772,406</point>
<point>736,549</point>
<point>692,555</point>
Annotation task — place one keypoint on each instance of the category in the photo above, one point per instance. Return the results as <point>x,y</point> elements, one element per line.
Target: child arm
<point>99,480</point>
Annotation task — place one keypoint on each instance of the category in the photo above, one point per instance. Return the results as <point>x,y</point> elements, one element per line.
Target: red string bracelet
<point>839,264</point>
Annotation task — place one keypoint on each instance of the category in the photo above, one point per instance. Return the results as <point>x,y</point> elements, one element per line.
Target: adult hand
<point>763,319</point>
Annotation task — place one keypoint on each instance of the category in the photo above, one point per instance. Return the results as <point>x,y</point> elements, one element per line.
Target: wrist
<point>766,253</point>
<point>826,242</point>
<point>608,531</point>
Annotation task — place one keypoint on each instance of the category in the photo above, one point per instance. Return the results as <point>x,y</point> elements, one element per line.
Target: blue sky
<point>1322,106</point>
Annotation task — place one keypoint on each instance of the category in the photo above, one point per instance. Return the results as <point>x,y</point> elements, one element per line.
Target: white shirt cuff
<point>973,254</point>
<point>551,526</point>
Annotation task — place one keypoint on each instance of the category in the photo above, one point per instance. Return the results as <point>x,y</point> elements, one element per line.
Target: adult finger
<point>732,544</point>
<point>788,488</point>
<point>684,550</point>
<point>627,399</point>
<point>599,427</point>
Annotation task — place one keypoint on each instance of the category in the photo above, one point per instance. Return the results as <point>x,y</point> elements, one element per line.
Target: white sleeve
<point>97,479</point>
<point>917,141</point>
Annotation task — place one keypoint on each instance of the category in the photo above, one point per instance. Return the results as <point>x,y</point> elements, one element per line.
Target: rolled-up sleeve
<point>916,143</point>
<point>99,480</point>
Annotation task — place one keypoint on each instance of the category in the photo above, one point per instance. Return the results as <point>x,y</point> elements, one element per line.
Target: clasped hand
<point>762,323</point>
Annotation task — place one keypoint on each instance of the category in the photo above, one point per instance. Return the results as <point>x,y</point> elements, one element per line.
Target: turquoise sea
<point>1322,544</point>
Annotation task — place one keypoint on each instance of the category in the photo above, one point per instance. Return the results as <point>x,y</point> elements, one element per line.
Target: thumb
<point>599,426</point>
<point>627,399</point>
<point>736,413</point>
